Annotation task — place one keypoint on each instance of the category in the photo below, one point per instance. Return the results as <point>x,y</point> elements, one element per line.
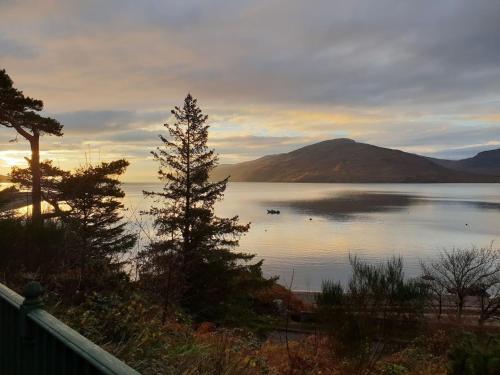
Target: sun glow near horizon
<point>385,77</point>
<point>12,158</point>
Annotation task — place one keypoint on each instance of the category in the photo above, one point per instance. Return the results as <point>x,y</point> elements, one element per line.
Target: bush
<point>131,329</point>
<point>377,303</point>
<point>394,369</point>
<point>332,294</point>
<point>27,251</point>
<point>471,355</point>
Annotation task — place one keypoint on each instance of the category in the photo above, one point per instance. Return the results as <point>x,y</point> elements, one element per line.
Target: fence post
<point>32,293</point>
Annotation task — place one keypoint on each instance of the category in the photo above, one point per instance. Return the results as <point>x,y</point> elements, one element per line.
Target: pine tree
<point>50,183</point>
<point>94,219</point>
<point>193,243</point>
<point>86,202</point>
<point>20,113</point>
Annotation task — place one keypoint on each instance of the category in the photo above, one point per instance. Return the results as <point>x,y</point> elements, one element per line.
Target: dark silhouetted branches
<point>88,209</point>
<point>209,273</point>
<point>467,272</point>
<point>19,112</point>
<point>362,317</point>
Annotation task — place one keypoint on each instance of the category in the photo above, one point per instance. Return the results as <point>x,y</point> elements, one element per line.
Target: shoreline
<point>16,201</point>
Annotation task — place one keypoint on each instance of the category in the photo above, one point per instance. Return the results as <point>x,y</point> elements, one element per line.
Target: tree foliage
<point>93,195</point>
<point>377,302</point>
<point>20,113</point>
<point>191,238</point>
<point>50,182</point>
<point>87,204</point>
<point>471,355</point>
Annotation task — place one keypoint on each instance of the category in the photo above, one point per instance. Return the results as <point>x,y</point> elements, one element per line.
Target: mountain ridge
<point>484,162</point>
<point>345,160</point>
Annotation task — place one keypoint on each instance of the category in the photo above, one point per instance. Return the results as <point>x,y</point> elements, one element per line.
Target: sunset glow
<point>272,76</point>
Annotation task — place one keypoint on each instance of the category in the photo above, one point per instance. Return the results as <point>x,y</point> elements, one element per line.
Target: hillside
<point>486,162</point>
<point>344,160</point>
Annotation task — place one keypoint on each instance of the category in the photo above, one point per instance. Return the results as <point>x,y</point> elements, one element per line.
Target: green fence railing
<point>33,342</point>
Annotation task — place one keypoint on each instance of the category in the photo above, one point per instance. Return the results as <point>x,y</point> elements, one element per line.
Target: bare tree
<point>436,292</point>
<point>489,294</point>
<point>468,272</point>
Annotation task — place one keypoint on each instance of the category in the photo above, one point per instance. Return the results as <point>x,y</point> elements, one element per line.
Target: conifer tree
<point>87,204</point>
<point>92,194</point>
<point>50,183</point>
<point>19,112</point>
<point>193,243</point>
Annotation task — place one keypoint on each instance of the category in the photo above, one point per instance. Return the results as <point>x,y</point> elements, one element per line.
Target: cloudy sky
<point>273,75</point>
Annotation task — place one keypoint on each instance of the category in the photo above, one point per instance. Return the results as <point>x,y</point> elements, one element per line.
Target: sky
<point>272,75</point>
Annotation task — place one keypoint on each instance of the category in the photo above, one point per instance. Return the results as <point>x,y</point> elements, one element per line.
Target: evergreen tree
<point>93,217</point>
<point>194,244</point>
<point>50,183</point>
<point>86,202</point>
<point>19,112</point>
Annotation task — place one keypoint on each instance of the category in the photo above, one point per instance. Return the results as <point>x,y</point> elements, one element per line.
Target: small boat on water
<point>273,212</point>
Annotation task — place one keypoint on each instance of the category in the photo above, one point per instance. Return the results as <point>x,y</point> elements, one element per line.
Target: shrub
<point>394,369</point>
<point>377,302</point>
<point>131,329</point>
<point>27,251</point>
<point>332,294</point>
<point>472,356</point>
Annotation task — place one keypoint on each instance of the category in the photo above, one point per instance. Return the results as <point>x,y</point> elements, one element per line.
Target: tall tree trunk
<point>187,210</point>
<point>36,190</point>
<point>460,306</point>
<point>440,301</point>
<point>166,297</point>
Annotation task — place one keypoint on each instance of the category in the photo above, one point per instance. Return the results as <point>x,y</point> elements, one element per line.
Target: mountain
<point>4,178</point>
<point>344,160</point>
<point>486,162</point>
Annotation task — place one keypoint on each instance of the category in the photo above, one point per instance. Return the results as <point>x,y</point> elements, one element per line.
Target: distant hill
<point>4,178</point>
<point>344,160</point>
<point>486,162</point>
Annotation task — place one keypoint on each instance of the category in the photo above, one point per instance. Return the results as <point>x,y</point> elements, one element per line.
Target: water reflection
<point>321,224</point>
<point>373,221</point>
<point>348,203</point>
<point>345,204</point>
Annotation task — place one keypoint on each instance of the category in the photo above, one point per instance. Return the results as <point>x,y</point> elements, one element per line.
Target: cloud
<point>110,121</point>
<point>15,49</point>
<point>336,52</point>
<point>272,75</point>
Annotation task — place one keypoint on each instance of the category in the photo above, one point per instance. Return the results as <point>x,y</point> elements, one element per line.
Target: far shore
<point>16,200</point>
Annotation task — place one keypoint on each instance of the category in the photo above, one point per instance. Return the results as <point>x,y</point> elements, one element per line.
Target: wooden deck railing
<point>33,342</point>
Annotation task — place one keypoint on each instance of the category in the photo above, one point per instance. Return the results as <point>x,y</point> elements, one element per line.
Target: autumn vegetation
<point>190,301</point>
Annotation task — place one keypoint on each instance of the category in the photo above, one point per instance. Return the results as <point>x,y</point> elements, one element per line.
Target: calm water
<point>321,224</point>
